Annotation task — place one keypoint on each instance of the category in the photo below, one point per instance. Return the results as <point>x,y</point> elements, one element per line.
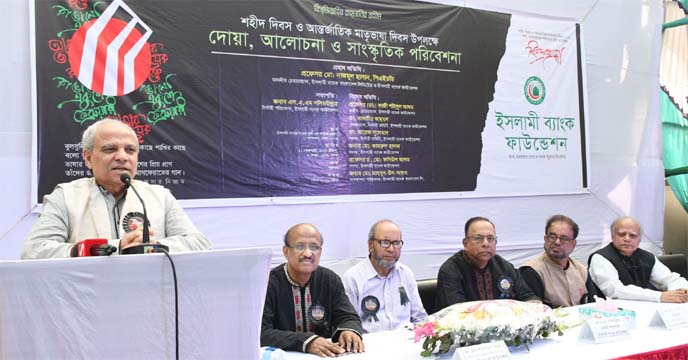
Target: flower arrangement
<point>515,322</point>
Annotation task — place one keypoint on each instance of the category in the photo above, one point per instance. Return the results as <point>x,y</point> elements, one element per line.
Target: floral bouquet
<point>463,324</point>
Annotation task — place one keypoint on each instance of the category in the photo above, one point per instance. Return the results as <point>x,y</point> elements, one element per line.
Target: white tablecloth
<point>122,307</point>
<point>399,345</point>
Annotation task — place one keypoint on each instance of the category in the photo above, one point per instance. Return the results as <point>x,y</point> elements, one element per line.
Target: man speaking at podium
<point>101,206</point>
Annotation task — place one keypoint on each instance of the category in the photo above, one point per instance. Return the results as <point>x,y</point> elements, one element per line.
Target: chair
<point>533,280</point>
<point>427,289</point>
<point>676,263</point>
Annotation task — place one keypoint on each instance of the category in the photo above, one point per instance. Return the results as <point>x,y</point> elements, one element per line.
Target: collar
<point>370,271</point>
<point>470,263</point>
<point>294,283</point>
<point>107,193</point>
<point>553,263</point>
<point>628,258</point>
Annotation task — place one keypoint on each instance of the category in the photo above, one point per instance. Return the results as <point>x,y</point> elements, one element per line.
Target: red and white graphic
<point>542,54</point>
<point>110,56</point>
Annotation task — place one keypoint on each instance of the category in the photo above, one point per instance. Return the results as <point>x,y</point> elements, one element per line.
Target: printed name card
<point>488,351</point>
<point>605,329</point>
<point>673,317</point>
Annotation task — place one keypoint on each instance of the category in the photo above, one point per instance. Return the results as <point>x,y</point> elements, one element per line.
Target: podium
<point>122,307</point>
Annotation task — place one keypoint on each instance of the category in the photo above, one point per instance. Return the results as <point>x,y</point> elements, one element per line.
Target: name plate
<point>671,317</point>
<point>605,329</point>
<point>488,351</point>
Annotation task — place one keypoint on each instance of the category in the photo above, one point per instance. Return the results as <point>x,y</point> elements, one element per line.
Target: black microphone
<point>92,247</point>
<point>146,247</point>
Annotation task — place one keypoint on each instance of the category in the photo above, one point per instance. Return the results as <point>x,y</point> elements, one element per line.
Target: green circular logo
<point>534,90</point>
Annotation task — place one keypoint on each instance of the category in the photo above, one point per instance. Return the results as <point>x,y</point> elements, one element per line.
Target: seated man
<point>382,289</point>
<point>305,303</point>
<point>477,273</point>
<point>622,270</point>
<point>102,207</point>
<point>555,277</point>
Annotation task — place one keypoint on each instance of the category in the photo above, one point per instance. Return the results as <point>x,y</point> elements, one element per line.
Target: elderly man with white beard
<point>383,290</point>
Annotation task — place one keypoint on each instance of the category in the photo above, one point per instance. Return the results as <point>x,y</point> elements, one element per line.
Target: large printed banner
<point>276,98</point>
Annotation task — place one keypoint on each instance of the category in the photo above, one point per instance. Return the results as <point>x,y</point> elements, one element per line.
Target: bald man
<point>382,289</point>
<point>305,304</point>
<point>102,207</point>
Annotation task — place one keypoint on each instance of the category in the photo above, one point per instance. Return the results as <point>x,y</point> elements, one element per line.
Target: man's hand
<point>351,342</point>
<point>135,237</point>
<point>675,296</point>
<point>324,347</point>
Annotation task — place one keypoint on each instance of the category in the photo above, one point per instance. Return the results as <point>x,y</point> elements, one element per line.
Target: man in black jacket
<point>306,304</point>
<point>477,272</point>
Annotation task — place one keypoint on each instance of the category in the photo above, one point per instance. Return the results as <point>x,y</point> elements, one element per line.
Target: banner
<point>263,99</point>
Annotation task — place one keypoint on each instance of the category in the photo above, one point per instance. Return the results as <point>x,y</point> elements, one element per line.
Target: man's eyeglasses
<point>397,244</point>
<point>491,239</point>
<point>552,237</point>
<point>301,247</point>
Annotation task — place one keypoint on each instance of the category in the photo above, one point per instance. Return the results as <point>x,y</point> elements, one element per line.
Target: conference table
<point>122,307</point>
<point>398,344</point>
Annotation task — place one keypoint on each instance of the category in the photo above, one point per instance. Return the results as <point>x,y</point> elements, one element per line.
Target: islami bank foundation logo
<point>110,55</point>
<point>534,90</point>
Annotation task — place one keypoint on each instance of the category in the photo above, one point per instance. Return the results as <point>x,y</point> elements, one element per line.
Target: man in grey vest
<point>102,207</point>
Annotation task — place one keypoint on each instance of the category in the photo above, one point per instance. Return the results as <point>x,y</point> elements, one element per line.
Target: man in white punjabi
<point>382,289</point>
<point>103,207</point>
<point>554,276</point>
<point>477,272</point>
<point>621,270</point>
<point>305,304</point>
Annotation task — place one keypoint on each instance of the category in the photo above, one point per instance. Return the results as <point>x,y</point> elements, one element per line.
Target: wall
<point>621,57</point>
<point>675,225</point>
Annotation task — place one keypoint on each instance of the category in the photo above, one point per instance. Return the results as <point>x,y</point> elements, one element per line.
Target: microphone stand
<point>146,247</point>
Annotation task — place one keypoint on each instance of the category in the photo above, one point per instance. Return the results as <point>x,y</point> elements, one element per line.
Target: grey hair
<point>89,135</point>
<point>371,233</point>
<point>617,221</point>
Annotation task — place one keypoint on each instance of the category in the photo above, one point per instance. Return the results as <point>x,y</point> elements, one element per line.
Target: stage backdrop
<point>620,47</point>
<point>241,102</point>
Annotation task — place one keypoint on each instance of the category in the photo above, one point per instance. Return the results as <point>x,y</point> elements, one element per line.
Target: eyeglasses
<point>491,239</point>
<point>301,247</point>
<point>386,243</point>
<point>552,237</point>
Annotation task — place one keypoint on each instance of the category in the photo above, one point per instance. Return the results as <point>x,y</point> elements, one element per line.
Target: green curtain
<point>675,133</point>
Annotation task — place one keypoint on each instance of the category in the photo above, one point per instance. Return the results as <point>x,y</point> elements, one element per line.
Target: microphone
<point>92,247</point>
<point>146,247</point>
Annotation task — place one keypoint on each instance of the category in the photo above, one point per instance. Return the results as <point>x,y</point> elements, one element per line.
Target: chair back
<point>427,289</point>
<point>676,263</point>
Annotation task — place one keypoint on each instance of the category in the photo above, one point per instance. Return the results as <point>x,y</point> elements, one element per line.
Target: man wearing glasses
<point>305,304</point>
<point>477,272</point>
<point>380,288</point>
<point>624,271</point>
<point>554,276</point>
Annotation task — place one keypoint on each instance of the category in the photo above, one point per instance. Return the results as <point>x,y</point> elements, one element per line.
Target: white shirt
<point>606,277</point>
<point>362,280</point>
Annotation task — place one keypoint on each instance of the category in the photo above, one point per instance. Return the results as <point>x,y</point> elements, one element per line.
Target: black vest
<point>634,269</point>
